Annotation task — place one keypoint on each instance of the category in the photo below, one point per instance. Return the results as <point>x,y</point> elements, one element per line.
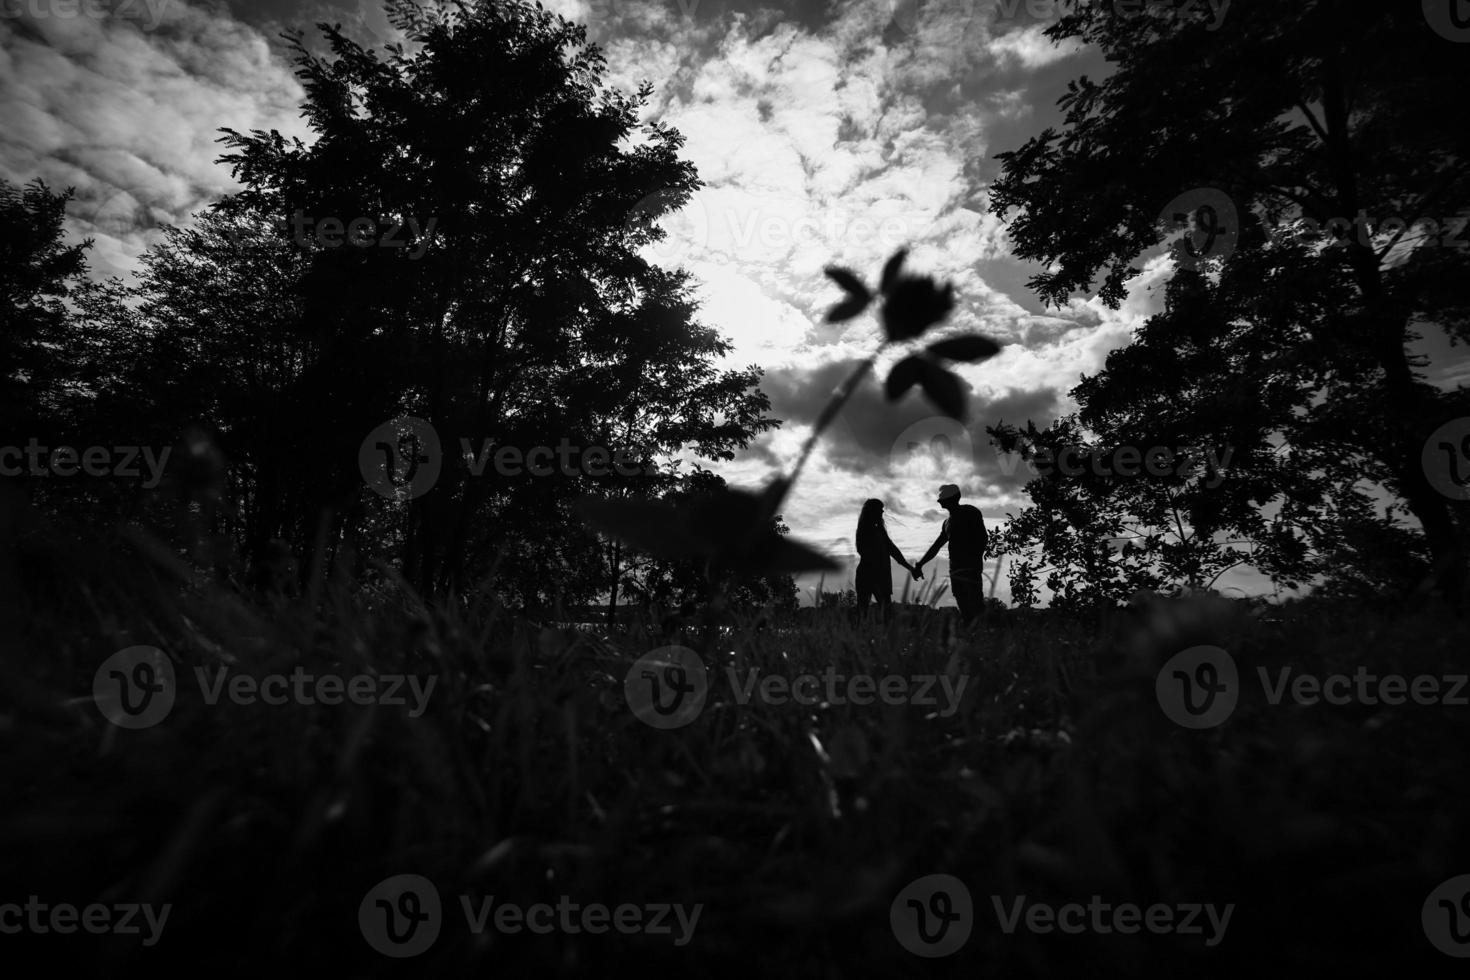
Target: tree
<point>1102,527</point>
<point>1253,133</point>
<point>38,272</point>
<point>459,243</point>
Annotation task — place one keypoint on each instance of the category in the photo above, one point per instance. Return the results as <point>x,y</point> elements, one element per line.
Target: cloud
<point>129,115</point>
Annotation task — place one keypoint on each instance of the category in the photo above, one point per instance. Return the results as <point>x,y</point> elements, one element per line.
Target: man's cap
<point>948,491</point>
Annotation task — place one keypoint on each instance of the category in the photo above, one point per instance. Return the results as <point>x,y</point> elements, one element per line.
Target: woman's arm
<point>897,555</point>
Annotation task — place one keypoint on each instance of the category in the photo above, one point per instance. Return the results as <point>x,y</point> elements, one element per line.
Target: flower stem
<point>833,407</point>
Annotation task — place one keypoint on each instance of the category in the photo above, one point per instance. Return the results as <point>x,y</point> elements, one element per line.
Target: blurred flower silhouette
<point>733,529</point>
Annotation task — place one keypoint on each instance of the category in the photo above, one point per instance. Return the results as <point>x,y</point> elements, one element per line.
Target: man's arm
<point>939,542</point>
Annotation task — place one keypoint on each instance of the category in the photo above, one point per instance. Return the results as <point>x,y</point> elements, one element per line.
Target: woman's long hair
<point>870,521</point>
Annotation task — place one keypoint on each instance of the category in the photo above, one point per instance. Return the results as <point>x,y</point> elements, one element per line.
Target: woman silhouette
<point>874,573</point>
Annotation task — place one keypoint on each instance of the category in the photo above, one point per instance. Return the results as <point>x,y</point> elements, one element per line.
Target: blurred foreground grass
<point>529,778</point>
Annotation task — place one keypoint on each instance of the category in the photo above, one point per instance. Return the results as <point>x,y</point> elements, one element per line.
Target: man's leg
<point>968,586</point>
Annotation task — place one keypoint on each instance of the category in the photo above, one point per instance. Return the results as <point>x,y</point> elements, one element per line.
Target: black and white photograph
<point>735,488</point>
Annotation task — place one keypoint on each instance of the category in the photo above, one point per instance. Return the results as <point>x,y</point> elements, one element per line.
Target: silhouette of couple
<point>963,531</point>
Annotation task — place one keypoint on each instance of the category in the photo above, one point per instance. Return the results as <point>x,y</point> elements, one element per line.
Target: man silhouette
<point>964,531</point>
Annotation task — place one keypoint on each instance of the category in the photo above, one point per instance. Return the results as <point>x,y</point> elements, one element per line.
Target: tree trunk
<point>1387,326</point>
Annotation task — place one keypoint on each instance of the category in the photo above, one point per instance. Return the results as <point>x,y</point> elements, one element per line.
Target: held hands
<point>917,570</point>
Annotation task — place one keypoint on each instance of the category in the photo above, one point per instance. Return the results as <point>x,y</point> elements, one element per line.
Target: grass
<point>528,778</point>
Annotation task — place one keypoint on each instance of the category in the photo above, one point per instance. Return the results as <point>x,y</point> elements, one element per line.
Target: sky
<point>825,133</point>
